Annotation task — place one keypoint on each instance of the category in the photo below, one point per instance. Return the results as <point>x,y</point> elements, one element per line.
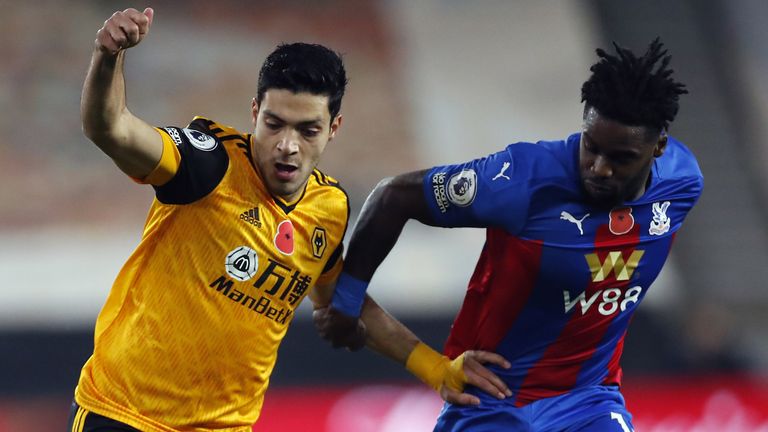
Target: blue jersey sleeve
<point>490,191</point>
<point>676,188</point>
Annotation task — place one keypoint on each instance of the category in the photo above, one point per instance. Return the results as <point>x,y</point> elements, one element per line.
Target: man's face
<point>615,159</point>
<point>290,133</point>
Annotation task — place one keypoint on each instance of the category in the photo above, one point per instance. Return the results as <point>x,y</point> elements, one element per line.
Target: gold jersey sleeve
<point>188,336</point>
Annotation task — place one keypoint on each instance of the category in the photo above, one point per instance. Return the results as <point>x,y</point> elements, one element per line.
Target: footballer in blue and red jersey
<point>577,230</point>
<point>558,279</point>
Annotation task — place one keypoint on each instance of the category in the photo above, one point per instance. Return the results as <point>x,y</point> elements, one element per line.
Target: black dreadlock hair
<point>627,89</point>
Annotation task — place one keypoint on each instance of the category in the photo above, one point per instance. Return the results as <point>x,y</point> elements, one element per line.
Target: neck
<point>643,187</point>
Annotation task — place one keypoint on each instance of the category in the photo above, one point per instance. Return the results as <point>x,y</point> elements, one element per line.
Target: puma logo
<point>564,215</point>
<point>501,173</point>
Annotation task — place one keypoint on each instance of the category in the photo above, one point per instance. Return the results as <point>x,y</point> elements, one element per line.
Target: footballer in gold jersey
<point>241,229</point>
<point>198,311</point>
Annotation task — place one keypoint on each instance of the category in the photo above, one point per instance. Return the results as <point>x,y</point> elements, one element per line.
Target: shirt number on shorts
<point>620,419</point>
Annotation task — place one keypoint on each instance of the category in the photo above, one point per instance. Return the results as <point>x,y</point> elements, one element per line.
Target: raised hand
<point>123,30</point>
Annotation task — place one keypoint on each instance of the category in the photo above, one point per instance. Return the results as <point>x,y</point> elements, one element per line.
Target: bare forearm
<point>386,335</point>
<point>381,220</point>
<point>391,204</point>
<point>103,98</point>
<point>134,145</point>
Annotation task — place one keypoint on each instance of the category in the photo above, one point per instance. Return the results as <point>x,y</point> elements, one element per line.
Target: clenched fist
<point>123,30</point>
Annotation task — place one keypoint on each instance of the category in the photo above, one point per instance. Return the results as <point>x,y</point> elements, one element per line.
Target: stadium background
<point>431,82</point>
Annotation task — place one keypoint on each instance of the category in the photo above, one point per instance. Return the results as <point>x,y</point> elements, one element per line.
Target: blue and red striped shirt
<point>557,280</point>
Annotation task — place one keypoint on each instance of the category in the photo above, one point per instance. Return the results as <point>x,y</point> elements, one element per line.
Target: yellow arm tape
<point>456,378</point>
<point>435,369</point>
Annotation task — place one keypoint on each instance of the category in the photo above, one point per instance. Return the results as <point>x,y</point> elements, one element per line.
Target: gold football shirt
<point>189,333</point>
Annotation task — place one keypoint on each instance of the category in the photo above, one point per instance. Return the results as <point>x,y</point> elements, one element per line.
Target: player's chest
<point>574,225</point>
<point>276,239</point>
<point>250,256</point>
<point>623,245</point>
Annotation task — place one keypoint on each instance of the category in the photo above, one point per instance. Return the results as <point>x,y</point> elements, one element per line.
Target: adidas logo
<point>252,217</point>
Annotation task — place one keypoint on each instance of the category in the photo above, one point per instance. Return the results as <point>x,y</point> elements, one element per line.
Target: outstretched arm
<point>392,203</point>
<point>134,145</point>
<point>387,336</point>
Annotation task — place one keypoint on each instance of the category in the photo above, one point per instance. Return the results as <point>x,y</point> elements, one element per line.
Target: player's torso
<point>246,247</point>
<point>562,292</point>
<point>597,263</point>
<point>201,306</point>
<point>555,296</point>
<point>241,260</point>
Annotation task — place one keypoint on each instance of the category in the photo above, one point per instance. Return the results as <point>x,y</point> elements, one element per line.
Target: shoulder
<point>224,134</point>
<point>202,134</point>
<point>543,161</point>
<point>326,193</point>
<point>499,189</point>
<point>678,161</point>
<point>678,172</point>
<point>203,161</point>
<point>328,203</point>
<point>560,155</point>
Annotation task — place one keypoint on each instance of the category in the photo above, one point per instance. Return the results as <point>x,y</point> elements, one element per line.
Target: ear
<point>335,125</point>
<point>254,111</point>
<point>661,145</point>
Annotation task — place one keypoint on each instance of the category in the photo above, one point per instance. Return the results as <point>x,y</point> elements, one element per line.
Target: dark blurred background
<point>431,82</point>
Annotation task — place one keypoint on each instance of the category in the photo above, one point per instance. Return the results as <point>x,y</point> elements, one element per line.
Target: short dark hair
<point>302,67</point>
<point>632,90</point>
